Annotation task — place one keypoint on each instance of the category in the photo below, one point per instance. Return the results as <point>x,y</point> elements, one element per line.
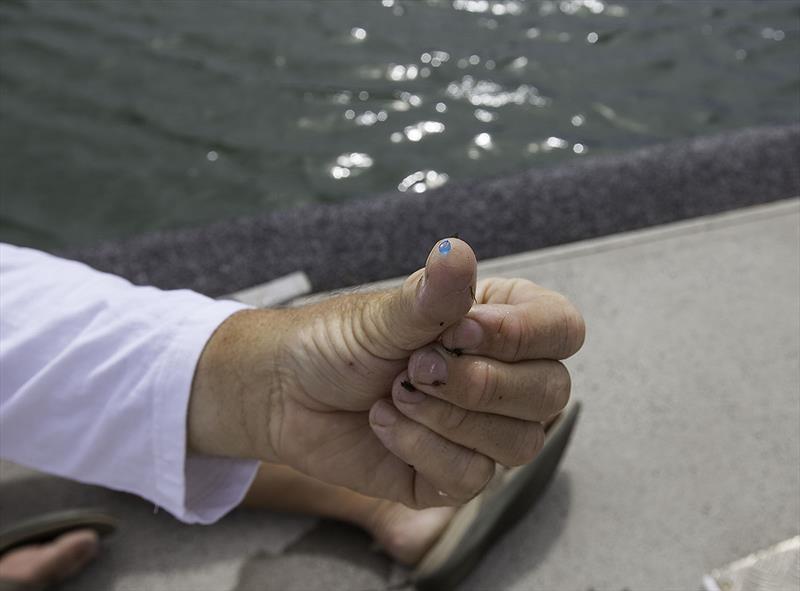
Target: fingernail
<point>408,393</point>
<point>428,367</point>
<point>383,415</point>
<point>467,334</point>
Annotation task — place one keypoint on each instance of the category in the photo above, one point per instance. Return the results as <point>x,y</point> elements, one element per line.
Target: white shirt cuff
<point>194,488</point>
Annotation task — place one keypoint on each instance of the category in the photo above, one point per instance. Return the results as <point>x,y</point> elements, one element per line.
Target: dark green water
<point>122,117</point>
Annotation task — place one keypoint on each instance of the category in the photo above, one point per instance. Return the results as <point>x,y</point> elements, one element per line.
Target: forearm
<point>95,380</point>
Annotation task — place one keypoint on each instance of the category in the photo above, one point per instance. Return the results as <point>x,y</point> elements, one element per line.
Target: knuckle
<point>557,389</point>
<point>534,441</point>
<point>527,445</point>
<point>415,443</point>
<point>419,446</point>
<point>484,381</point>
<point>477,475</point>
<point>513,330</point>
<point>573,329</point>
<point>453,417</point>
<point>559,298</point>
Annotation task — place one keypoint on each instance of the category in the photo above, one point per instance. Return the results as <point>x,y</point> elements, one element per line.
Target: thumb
<point>431,299</point>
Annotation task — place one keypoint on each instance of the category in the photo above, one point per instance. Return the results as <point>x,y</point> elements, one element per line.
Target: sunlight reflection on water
<point>183,113</point>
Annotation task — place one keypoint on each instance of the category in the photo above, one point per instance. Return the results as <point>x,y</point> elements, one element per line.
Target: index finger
<point>546,326</point>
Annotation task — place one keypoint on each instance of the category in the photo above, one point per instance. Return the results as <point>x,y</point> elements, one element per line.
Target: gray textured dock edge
<point>387,236</point>
<point>687,455</point>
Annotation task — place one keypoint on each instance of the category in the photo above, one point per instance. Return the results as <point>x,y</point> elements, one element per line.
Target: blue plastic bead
<point>445,246</point>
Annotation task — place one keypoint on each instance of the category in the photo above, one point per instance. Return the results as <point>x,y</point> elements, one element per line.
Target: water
<point>122,117</point>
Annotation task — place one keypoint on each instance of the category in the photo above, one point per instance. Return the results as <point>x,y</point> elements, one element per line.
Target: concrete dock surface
<point>686,457</point>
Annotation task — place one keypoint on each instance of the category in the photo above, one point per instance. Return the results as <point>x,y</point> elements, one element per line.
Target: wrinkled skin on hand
<point>342,391</point>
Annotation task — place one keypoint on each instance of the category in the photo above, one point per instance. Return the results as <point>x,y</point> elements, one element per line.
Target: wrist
<point>238,387</point>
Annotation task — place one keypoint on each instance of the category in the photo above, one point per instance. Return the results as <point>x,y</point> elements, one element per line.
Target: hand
<point>299,386</point>
<point>483,392</point>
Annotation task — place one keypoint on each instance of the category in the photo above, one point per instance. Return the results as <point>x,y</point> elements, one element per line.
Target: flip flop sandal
<point>45,528</point>
<point>480,522</point>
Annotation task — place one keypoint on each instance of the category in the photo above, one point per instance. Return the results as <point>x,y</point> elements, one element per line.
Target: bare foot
<point>46,564</point>
<point>406,534</point>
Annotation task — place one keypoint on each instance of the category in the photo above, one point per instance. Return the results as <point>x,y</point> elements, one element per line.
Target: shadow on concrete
<point>328,557</point>
<point>332,556</point>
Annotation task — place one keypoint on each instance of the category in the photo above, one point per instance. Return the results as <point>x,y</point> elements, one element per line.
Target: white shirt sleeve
<point>95,378</point>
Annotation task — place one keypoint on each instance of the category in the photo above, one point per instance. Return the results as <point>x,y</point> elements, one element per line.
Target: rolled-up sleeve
<point>95,378</point>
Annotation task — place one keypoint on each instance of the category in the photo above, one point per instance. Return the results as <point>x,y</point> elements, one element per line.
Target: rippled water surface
<point>120,117</point>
